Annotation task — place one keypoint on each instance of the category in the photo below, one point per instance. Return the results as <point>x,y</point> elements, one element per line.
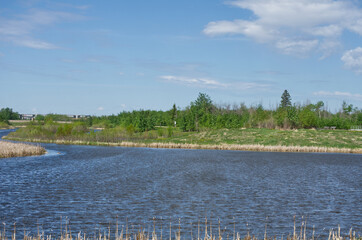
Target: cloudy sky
<point>104,57</point>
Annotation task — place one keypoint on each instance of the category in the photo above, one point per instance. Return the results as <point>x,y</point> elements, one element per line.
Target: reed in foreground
<point>203,233</point>
<point>9,149</point>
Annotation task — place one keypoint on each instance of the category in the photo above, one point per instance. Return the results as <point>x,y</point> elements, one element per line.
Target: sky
<point>105,57</point>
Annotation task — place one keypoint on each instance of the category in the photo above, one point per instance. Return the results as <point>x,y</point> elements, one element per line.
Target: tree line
<point>204,114</point>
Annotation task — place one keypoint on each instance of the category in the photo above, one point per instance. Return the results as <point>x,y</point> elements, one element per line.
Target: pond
<point>90,187</point>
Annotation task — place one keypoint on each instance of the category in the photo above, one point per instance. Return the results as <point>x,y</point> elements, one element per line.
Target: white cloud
<point>20,30</point>
<point>293,27</point>
<point>328,47</point>
<point>100,108</point>
<point>338,94</point>
<point>353,60</point>
<point>299,47</point>
<point>250,29</point>
<point>210,83</point>
<point>326,31</point>
<point>31,43</point>
<point>203,82</point>
<point>357,26</point>
<point>121,73</point>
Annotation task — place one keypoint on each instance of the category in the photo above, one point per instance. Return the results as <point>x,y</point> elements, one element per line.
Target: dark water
<point>88,187</point>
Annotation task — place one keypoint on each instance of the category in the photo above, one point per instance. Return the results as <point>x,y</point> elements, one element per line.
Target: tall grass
<point>233,147</point>
<point>9,149</point>
<point>4,125</point>
<point>203,233</point>
<point>223,139</point>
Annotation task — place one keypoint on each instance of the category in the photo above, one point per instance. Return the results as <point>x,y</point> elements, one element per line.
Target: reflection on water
<point>91,186</point>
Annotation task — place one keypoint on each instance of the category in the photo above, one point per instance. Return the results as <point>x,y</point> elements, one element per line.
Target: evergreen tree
<point>286,100</point>
<point>203,103</point>
<point>173,114</point>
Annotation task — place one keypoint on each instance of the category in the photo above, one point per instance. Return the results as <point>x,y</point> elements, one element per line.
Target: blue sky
<point>104,57</point>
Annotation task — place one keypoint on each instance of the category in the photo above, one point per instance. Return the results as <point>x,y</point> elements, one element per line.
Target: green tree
<point>202,108</point>
<point>7,114</point>
<point>308,117</point>
<point>203,103</point>
<point>347,108</point>
<point>39,117</point>
<point>173,113</point>
<point>286,100</point>
<point>318,107</point>
<point>292,115</point>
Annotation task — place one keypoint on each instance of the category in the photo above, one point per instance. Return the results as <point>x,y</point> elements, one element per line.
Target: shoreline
<point>232,147</point>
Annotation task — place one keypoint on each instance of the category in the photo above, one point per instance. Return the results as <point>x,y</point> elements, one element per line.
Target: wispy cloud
<point>203,82</point>
<point>100,108</point>
<point>338,94</point>
<point>213,84</point>
<point>353,60</point>
<point>32,43</point>
<point>293,27</point>
<point>20,29</point>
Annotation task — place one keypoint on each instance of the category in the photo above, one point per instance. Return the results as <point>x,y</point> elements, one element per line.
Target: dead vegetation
<point>10,149</point>
<point>203,233</point>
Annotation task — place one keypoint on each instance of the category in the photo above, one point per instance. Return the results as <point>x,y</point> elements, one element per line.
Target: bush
<point>79,128</point>
<point>130,129</point>
<point>160,132</point>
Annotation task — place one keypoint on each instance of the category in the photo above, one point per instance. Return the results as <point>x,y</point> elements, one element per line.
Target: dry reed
<point>234,147</point>
<point>141,234</point>
<point>10,149</point>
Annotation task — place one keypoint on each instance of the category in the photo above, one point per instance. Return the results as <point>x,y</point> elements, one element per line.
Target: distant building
<point>27,116</point>
<point>78,116</point>
<point>84,116</point>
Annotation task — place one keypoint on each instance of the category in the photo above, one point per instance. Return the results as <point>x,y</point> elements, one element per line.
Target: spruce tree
<point>286,100</point>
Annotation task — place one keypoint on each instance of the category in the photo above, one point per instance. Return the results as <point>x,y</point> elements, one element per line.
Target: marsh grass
<point>4,125</point>
<point>9,149</point>
<point>204,232</point>
<point>270,140</point>
<point>233,147</point>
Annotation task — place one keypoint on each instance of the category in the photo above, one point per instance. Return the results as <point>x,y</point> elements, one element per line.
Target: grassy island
<point>9,149</point>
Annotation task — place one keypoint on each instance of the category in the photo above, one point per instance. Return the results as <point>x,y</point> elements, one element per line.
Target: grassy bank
<point>9,149</point>
<point>4,125</point>
<point>274,140</point>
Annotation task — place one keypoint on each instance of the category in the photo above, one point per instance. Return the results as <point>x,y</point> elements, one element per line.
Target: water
<point>89,187</point>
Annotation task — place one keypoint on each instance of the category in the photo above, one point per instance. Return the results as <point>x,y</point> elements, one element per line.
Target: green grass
<point>208,137</point>
<point>4,125</point>
<point>272,137</point>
